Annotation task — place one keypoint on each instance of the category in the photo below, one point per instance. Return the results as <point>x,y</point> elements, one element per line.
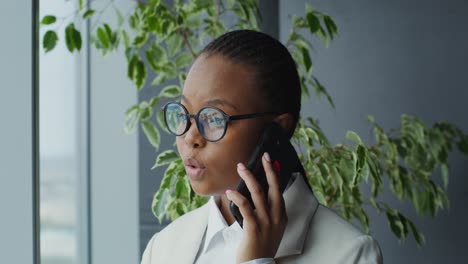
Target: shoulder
<point>328,222</point>
<point>338,241</point>
<point>185,223</point>
<point>191,225</point>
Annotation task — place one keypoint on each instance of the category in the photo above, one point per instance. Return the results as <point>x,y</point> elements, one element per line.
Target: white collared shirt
<point>221,241</point>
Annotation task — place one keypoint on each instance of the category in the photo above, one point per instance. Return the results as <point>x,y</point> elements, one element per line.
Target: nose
<point>193,138</point>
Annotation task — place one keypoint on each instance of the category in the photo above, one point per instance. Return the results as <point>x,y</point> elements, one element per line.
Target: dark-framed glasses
<point>211,122</point>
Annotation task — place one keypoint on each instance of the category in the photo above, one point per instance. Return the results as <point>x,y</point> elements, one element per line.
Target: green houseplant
<point>166,39</point>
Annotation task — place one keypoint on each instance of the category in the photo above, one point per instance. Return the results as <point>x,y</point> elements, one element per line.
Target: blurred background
<point>74,188</point>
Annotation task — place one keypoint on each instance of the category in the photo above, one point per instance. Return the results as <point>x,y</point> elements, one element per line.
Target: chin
<point>206,190</point>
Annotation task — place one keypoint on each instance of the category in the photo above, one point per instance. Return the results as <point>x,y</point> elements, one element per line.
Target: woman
<point>247,72</point>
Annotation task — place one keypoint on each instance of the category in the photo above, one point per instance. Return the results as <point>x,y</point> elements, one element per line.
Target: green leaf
<point>323,36</point>
<point>361,153</point>
<point>165,158</point>
<point>351,135</point>
<point>313,22</point>
<point>320,89</point>
<point>363,218</point>
<point>463,145</point>
<point>347,168</point>
<point>48,20</point>
<point>183,60</point>
<point>160,203</point>
<point>419,237</point>
<point>88,13</point>
<point>137,71</point>
<point>445,174</point>
<point>103,37</point>
<point>49,41</point>
<point>146,111</point>
<point>156,57</point>
<point>76,35</point>
<point>395,223</point>
<point>72,38</point>
<point>182,191</point>
<point>375,205</point>
<point>133,22</point>
<point>330,25</point>
<point>171,69</point>
<point>126,38</point>
<point>69,38</point>
<point>152,133</point>
<point>160,120</point>
<point>230,4</point>
<point>182,78</point>
<point>160,79</point>
<point>174,44</point>
<point>140,40</point>
<point>170,91</point>
<point>306,58</point>
<point>131,118</point>
<point>154,101</point>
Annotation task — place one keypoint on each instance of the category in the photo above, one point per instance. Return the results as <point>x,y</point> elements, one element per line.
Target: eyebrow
<point>212,102</point>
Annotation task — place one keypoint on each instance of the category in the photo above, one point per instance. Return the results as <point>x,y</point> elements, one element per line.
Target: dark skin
<point>230,86</point>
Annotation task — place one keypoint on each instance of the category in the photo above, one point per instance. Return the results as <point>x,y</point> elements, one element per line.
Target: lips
<point>194,168</point>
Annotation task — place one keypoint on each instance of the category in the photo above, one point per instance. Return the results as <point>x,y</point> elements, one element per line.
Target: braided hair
<point>274,67</point>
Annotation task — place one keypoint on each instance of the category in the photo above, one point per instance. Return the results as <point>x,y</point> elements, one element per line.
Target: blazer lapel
<point>300,208</point>
<point>188,239</point>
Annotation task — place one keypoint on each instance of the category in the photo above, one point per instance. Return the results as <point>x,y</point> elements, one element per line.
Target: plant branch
<point>183,33</point>
<point>101,12</point>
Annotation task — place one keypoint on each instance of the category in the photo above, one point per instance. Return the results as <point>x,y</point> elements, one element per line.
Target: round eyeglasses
<point>211,122</point>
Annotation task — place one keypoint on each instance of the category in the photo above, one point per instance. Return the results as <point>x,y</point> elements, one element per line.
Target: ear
<point>285,121</point>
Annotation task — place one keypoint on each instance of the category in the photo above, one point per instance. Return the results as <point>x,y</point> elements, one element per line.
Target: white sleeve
<point>260,261</point>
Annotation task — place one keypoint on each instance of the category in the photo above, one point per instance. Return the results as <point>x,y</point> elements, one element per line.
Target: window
<point>62,146</point>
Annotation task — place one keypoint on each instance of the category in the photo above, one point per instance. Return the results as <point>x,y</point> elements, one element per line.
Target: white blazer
<point>314,234</point>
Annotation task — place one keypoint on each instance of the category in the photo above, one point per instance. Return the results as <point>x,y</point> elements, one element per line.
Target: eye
<point>219,121</point>
<point>181,116</point>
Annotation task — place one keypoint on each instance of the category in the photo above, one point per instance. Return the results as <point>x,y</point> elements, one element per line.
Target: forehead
<point>216,79</point>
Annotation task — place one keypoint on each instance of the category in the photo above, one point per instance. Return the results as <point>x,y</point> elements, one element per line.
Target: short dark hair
<point>275,69</point>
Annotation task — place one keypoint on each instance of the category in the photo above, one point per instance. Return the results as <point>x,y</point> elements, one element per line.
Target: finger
<point>244,205</point>
<point>271,173</point>
<point>255,189</point>
<point>275,197</point>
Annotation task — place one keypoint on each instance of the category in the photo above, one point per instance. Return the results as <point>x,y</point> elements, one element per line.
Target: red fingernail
<point>277,166</point>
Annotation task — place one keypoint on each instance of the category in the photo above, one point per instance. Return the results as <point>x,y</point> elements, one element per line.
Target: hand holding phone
<point>283,157</point>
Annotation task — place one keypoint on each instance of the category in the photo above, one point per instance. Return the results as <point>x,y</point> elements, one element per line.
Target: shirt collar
<point>216,222</point>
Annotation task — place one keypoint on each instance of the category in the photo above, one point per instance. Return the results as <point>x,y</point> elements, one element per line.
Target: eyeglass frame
<point>227,119</point>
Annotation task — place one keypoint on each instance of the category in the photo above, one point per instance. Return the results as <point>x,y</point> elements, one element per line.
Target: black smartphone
<point>284,159</point>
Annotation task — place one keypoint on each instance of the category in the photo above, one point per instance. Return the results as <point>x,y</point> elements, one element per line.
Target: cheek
<point>179,143</point>
<point>241,140</point>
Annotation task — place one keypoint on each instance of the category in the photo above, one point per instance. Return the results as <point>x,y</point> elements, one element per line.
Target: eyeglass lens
<point>211,122</point>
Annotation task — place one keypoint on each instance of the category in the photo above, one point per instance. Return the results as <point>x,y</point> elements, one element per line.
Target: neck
<point>225,211</point>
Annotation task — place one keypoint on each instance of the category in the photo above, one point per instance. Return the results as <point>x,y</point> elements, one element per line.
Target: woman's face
<point>216,81</point>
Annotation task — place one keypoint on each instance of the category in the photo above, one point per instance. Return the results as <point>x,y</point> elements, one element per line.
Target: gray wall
<point>18,134</point>
<point>394,57</point>
<point>113,157</point>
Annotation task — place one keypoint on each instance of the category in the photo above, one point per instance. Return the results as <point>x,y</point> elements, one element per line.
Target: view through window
<point>61,144</point>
